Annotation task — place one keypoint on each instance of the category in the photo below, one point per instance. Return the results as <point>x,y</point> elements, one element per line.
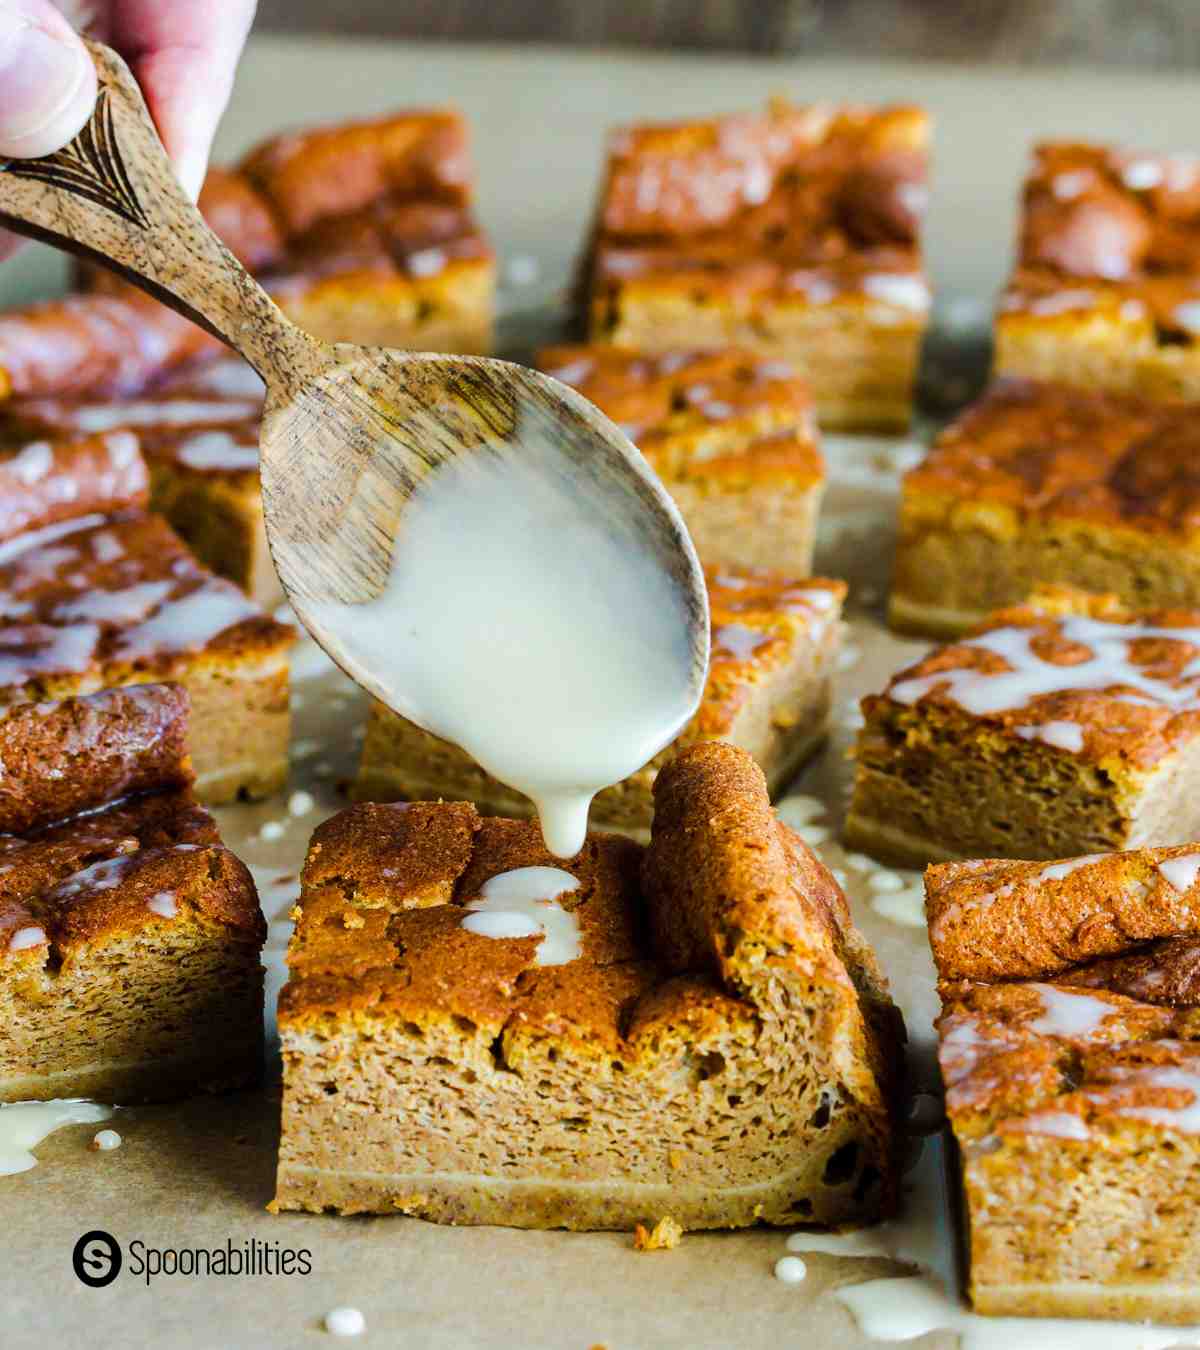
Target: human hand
<point>183,53</point>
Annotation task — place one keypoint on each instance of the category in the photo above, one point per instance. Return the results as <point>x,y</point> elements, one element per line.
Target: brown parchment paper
<point>199,1174</point>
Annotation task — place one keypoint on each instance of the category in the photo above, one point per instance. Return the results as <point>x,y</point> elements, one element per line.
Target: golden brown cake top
<point>1073,671</point>
<point>1052,452</point>
<point>60,759</point>
<point>308,175</point>
<point>1098,211</point>
<point>1000,919</point>
<point>759,621</point>
<point>688,411</point>
<point>386,892</point>
<point>1113,232</point>
<point>100,835</point>
<point>810,200</point>
<point>388,197</point>
<point>118,598</point>
<point>100,345</point>
<point>44,483</point>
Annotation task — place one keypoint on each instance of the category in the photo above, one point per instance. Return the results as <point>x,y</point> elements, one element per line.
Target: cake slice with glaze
<point>1064,726</point>
<point>1069,1042</point>
<point>129,937</point>
<point>1041,483</point>
<point>476,1032</point>
<point>795,233</point>
<point>1106,291</point>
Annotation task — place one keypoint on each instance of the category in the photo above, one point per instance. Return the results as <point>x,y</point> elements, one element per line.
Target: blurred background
<point>1137,33</point>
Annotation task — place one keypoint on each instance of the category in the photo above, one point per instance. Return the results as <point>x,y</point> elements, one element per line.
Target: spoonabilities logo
<point>97,1258</point>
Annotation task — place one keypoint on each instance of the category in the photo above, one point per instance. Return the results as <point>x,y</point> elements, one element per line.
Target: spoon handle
<point>112,196</point>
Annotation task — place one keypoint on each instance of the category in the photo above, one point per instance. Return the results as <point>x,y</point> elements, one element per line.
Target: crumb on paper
<point>661,1238</point>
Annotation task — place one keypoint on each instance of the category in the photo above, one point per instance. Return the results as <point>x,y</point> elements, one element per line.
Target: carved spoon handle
<point>111,195</point>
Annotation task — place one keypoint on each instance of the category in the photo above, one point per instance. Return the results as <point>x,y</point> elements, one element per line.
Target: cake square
<point>1106,291</point>
<point>732,437</point>
<point>1065,726</point>
<point>362,231</point>
<point>119,909</point>
<point>97,592</point>
<point>1044,483</point>
<point>198,428</point>
<point>794,233</point>
<point>774,649</point>
<point>1069,1042</point>
<point>634,1054</point>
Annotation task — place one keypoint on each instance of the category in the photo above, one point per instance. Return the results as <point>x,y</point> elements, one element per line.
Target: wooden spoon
<point>347,431</point>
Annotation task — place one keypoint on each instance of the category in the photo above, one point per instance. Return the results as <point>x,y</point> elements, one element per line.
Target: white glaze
<point>1055,1124</point>
<point>1070,1015</point>
<point>106,1140</point>
<point>32,463</point>
<point>1061,735</point>
<point>905,907</point>
<point>1067,186</point>
<point>1187,316</point>
<point>345,1322</point>
<point>790,1270</point>
<point>163,904</point>
<point>93,417</point>
<point>23,1125</point>
<point>217,450</point>
<point>524,903</point>
<point>903,291</point>
<point>33,935</point>
<point>35,539</point>
<point>1142,174</point>
<point>1180,872</point>
<point>188,622</point>
<point>1029,677</point>
<point>542,637</point>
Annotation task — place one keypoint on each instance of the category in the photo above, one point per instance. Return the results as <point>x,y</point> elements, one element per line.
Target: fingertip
<point>47,83</point>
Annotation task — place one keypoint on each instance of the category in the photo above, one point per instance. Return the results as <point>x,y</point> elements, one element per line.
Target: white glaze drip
<point>1180,872</point>
<point>524,903</point>
<point>23,1125</point>
<point>1071,1016</point>
<point>217,450</point>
